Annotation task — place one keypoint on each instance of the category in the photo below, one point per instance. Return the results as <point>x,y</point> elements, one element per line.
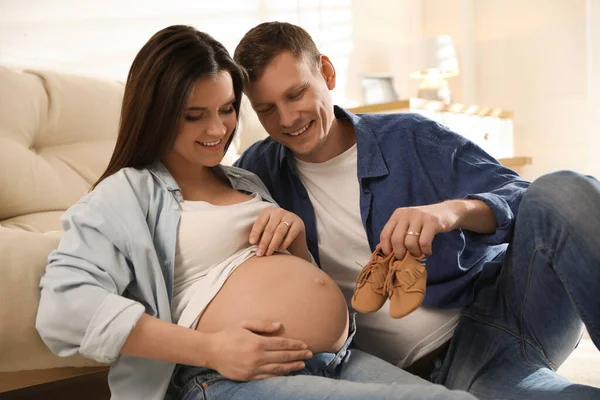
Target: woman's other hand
<point>244,353</point>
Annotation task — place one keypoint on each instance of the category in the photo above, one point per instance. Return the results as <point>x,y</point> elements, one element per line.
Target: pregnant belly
<point>287,289</point>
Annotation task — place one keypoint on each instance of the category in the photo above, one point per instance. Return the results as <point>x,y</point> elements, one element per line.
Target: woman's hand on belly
<point>277,229</point>
<point>244,354</point>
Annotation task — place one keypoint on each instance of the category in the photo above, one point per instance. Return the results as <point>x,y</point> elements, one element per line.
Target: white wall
<point>384,37</point>
<point>538,62</point>
<point>101,38</point>
<point>539,58</point>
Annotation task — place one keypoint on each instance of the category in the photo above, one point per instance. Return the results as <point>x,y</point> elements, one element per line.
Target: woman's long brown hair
<point>159,82</point>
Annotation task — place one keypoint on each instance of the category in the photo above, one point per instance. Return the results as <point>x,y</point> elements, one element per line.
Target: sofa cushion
<point>57,133</point>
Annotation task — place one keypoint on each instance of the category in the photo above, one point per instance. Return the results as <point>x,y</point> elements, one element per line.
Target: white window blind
<point>102,38</point>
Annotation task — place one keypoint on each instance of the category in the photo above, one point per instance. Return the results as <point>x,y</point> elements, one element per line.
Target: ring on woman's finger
<point>413,233</point>
<point>285,222</point>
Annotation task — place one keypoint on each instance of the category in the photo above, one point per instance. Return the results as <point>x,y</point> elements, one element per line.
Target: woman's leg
<point>357,375</point>
<point>304,387</point>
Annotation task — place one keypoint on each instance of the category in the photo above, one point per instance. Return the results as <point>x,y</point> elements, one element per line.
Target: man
<point>497,319</point>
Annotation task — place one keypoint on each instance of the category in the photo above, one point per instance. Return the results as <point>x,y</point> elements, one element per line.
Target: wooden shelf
<point>515,161</point>
<point>432,105</point>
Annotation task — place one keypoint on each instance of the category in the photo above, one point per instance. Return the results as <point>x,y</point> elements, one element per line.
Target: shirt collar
<point>370,159</point>
<point>159,170</point>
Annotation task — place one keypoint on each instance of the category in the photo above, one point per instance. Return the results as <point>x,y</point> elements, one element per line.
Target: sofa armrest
<point>23,258</point>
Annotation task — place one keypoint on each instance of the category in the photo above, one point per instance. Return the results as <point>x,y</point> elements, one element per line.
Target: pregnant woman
<point>183,274</point>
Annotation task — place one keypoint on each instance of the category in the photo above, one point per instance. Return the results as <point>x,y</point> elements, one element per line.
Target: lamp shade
<point>438,58</point>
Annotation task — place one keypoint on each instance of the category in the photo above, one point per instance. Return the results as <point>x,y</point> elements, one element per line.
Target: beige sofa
<point>57,133</point>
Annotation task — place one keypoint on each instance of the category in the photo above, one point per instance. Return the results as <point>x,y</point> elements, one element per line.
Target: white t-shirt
<point>212,241</point>
<point>334,191</point>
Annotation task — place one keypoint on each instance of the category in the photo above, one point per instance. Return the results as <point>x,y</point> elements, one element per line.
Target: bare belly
<point>287,289</point>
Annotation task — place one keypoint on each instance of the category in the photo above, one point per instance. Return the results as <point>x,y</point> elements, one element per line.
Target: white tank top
<point>211,242</point>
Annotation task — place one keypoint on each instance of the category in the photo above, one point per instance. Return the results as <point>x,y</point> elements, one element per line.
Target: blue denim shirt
<point>407,160</point>
<point>114,262</point>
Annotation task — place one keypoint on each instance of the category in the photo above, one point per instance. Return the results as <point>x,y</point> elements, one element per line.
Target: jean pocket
<point>175,384</point>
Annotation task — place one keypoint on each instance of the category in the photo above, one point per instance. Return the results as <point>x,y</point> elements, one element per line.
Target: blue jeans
<point>348,374</point>
<point>529,317</point>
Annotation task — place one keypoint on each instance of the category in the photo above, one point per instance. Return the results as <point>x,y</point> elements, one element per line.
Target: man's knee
<point>565,193</point>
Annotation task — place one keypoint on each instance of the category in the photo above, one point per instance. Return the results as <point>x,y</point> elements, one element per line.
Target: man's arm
<point>479,176</point>
<point>413,228</point>
<point>484,199</point>
<point>473,215</point>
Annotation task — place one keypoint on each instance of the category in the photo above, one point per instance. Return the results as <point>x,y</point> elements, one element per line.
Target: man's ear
<point>327,70</point>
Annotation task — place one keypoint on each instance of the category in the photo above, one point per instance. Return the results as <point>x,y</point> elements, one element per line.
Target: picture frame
<point>378,88</point>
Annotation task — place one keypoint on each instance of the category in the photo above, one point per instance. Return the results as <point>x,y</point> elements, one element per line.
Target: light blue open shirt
<point>115,262</point>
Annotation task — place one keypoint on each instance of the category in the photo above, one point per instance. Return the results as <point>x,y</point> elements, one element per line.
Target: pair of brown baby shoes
<point>403,281</point>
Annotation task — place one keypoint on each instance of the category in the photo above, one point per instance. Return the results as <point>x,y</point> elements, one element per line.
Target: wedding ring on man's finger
<point>413,233</point>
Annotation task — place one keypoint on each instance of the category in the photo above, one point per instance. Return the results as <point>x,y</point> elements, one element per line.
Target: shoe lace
<point>404,278</point>
<point>370,274</point>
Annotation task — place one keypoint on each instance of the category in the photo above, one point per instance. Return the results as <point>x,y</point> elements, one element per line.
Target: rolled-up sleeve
<point>81,307</point>
<point>477,175</point>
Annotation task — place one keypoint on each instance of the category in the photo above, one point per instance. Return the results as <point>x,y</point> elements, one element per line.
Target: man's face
<point>293,103</point>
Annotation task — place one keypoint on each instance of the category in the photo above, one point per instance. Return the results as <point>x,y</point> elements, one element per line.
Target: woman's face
<point>208,121</point>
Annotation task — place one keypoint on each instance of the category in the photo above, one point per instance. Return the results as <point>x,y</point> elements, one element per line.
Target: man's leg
<point>489,362</point>
<point>553,267</point>
<point>526,323</point>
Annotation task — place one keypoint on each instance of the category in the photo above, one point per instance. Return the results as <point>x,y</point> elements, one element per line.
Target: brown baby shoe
<point>405,284</point>
<point>369,291</point>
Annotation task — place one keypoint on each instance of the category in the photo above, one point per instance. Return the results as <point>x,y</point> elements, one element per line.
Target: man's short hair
<point>263,43</point>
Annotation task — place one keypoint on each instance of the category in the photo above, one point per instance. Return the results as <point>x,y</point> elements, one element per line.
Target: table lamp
<point>439,62</point>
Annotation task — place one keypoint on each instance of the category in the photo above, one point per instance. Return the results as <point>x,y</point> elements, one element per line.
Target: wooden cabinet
<point>490,128</point>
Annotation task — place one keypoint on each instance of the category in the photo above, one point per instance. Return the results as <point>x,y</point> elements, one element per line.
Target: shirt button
<point>304,196</point>
<point>366,191</point>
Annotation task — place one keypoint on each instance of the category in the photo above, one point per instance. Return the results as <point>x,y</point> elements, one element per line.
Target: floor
<point>583,366</point>
<point>92,386</point>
